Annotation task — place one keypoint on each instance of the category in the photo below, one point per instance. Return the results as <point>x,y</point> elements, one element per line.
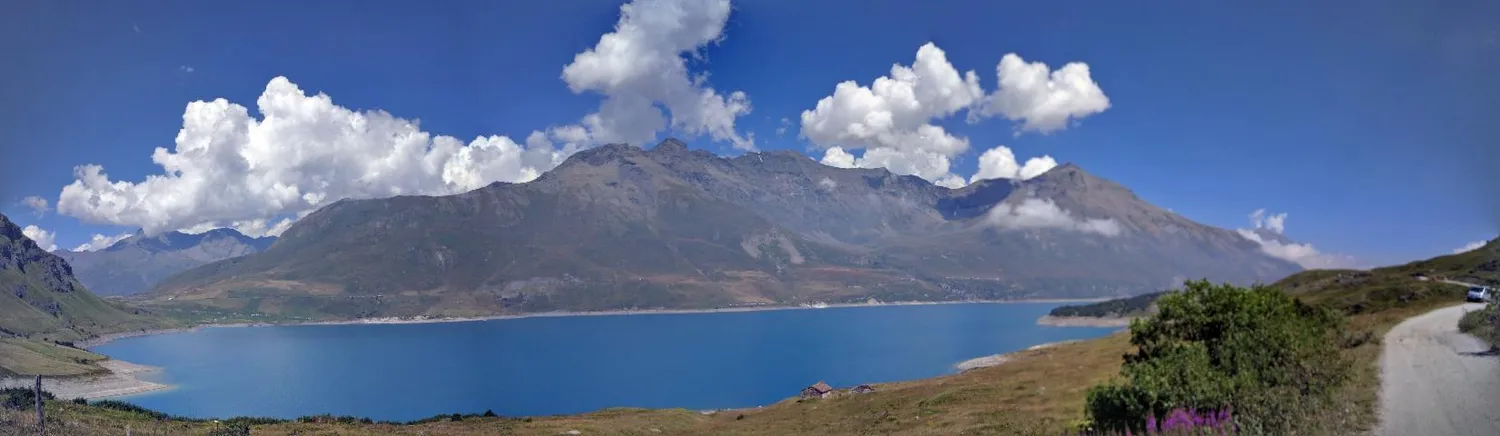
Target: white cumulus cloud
<point>1041,99</point>
<point>838,158</point>
<point>229,168</point>
<point>1040,213</point>
<point>1302,254</point>
<point>45,239</point>
<point>1469,247</point>
<point>100,242</point>
<point>1274,222</point>
<point>1000,163</point>
<point>892,119</point>
<point>641,64</point>
<point>38,205</point>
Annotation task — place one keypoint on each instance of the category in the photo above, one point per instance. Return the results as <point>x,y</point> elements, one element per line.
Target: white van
<point>1479,294</point>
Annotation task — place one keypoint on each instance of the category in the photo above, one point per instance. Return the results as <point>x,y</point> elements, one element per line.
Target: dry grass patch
<point>30,357</point>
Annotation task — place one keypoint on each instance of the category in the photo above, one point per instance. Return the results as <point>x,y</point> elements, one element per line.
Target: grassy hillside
<point>42,305</point>
<point>1395,287</point>
<point>32,357</point>
<point>32,309</point>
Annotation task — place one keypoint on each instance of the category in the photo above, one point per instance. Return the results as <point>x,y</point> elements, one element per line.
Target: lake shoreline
<point>1002,358</point>
<point>122,379</point>
<point>104,339</point>
<point>1084,321</point>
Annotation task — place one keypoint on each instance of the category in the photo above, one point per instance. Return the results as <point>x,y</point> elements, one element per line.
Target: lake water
<point>559,365</point>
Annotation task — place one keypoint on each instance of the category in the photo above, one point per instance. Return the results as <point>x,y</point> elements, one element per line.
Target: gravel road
<point>1436,381</point>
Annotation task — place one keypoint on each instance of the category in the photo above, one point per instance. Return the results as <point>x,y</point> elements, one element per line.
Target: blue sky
<point>1365,122</point>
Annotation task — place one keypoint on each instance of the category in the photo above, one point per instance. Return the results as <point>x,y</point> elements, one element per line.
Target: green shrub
<point>1482,324</point>
<point>1273,359</point>
<point>127,407</point>
<point>230,429</point>
<point>21,398</point>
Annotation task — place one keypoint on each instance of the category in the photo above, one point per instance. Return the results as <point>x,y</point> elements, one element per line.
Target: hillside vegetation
<point>1294,360</point>
<point>1259,354</point>
<point>1117,308</point>
<point>1387,290</point>
<point>43,309</point>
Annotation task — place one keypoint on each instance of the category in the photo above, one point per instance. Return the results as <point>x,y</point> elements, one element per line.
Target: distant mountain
<point>40,299</point>
<point>137,263</point>
<point>621,227</point>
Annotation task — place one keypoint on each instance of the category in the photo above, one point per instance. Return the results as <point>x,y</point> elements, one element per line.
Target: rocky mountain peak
<point>670,145</point>
<point>22,254</point>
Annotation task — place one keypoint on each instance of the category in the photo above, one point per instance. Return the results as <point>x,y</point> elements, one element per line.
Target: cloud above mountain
<point>1300,253</point>
<point>1041,99</point>
<point>100,242</point>
<point>640,65</point>
<point>1469,247</point>
<point>1274,223</point>
<point>38,205</point>
<point>1000,163</point>
<point>229,168</point>
<point>1041,213</point>
<point>895,119</point>
<point>45,239</point>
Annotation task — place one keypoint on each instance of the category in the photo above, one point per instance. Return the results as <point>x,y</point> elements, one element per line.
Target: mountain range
<point>137,263</point>
<point>620,227</point>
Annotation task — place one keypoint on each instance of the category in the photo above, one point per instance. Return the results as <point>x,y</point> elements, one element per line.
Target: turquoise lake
<point>560,365</point>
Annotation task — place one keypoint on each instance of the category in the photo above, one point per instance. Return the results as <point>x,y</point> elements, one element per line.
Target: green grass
<point>41,305</point>
<point>32,357</point>
<point>79,314</point>
<point>1382,290</point>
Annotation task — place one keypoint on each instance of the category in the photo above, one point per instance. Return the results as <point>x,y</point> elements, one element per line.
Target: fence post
<point>41,418</point>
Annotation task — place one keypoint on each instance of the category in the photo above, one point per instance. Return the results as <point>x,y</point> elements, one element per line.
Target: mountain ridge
<point>618,227</point>
<point>137,263</point>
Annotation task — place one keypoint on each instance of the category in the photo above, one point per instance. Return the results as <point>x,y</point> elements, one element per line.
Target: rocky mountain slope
<point>40,299</point>
<point>139,262</point>
<point>622,227</point>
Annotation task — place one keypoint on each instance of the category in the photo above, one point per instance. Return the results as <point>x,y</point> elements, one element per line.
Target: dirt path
<point>1436,381</point>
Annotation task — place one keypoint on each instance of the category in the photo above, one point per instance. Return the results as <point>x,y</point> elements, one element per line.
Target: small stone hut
<point>818,390</point>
